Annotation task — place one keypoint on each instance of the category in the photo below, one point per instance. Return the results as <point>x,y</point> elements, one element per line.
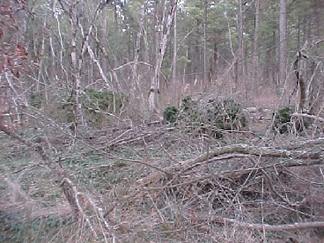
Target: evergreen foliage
<point>170,114</point>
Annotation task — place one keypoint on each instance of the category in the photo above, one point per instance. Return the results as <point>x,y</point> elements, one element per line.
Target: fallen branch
<point>254,150</point>
<point>235,149</point>
<point>308,143</point>
<point>317,118</point>
<point>280,227</point>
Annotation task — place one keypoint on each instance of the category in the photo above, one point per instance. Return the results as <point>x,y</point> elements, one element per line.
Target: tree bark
<point>78,115</point>
<point>256,43</point>
<point>174,57</point>
<point>241,58</point>
<point>282,42</point>
<point>213,63</point>
<point>153,99</point>
<point>205,41</point>
<point>135,84</point>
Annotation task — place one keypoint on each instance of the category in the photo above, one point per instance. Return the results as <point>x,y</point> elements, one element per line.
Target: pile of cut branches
<point>181,188</point>
<point>255,188</point>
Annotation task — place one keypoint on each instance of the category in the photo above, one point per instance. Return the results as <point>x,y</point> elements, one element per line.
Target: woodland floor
<point>161,184</point>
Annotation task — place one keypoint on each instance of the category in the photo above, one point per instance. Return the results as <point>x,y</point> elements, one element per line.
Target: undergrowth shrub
<point>209,117</point>
<point>36,99</point>
<point>104,100</point>
<point>97,103</point>
<point>189,111</point>
<point>226,114</point>
<point>98,106</point>
<point>284,122</point>
<point>170,114</point>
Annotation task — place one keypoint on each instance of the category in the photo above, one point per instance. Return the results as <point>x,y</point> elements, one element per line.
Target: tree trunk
<point>78,116</point>
<point>153,99</point>
<point>213,63</point>
<point>241,40</point>
<point>282,42</point>
<point>205,41</point>
<point>256,43</point>
<point>174,58</point>
<point>135,84</point>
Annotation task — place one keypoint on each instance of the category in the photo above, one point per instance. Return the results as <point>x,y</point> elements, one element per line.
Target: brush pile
<point>161,183</point>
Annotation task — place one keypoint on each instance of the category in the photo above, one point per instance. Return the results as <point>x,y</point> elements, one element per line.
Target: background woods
<point>156,120</point>
<point>230,47</point>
